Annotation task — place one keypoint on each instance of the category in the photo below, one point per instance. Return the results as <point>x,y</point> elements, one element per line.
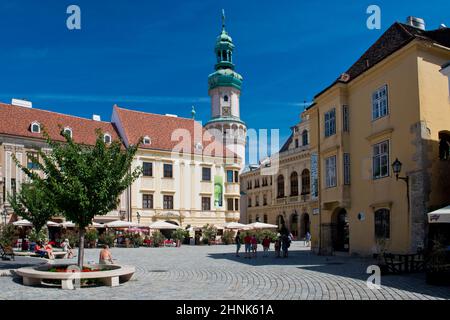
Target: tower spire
<point>223,19</point>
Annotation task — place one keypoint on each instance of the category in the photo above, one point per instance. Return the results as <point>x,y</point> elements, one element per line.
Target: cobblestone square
<point>213,272</point>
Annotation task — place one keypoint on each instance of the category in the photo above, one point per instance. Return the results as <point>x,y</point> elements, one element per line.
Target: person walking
<point>277,247</point>
<point>237,240</point>
<point>67,248</point>
<point>285,244</point>
<point>247,244</point>
<point>307,239</point>
<point>254,245</point>
<point>266,246</point>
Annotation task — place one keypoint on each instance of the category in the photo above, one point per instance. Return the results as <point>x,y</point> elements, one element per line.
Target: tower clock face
<point>226,111</point>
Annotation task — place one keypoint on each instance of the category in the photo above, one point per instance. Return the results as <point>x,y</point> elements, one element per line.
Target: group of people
<point>281,245</point>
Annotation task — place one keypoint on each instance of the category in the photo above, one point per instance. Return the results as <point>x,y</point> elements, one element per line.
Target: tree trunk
<point>81,248</point>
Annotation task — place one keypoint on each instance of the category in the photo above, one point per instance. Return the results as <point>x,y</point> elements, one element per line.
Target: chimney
<point>96,117</point>
<point>21,103</point>
<point>415,22</point>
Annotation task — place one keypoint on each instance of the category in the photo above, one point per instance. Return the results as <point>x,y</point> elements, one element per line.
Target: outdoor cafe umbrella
<point>439,216</point>
<point>52,224</point>
<point>162,225</point>
<point>23,223</point>
<point>260,225</point>
<point>97,225</point>
<point>120,224</point>
<point>236,225</point>
<point>68,224</point>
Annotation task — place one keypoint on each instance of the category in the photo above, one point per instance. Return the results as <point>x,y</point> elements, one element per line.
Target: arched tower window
<point>306,187</point>
<point>305,138</point>
<point>225,98</point>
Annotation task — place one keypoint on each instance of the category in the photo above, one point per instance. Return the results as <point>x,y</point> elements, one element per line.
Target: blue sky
<point>156,55</point>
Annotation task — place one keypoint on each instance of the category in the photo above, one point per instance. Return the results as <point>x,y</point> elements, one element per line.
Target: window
<point>347,168</point>
<point>168,168</point>
<point>256,183</point>
<point>280,186</point>
<point>345,119</point>
<point>382,224</point>
<point>265,218</point>
<point>257,218</point>
<point>147,169</point>
<point>250,219</point>
<point>306,187</point>
<point>380,103</point>
<point>225,98</point>
<point>35,127</point>
<point>32,160</point>
<point>296,143</point>
<point>230,204</point>
<point>168,202</point>
<point>107,138</point>
<point>206,203</point>
<point>68,131</point>
<point>206,174</point>
<point>330,122</point>
<point>230,176</point>
<point>257,201</point>
<point>330,172</point>
<point>305,138</point>
<point>249,185</point>
<point>147,140</point>
<point>381,160</point>
<point>265,200</point>
<point>294,184</point>
<point>236,204</point>
<point>236,176</point>
<point>13,187</point>
<point>147,201</point>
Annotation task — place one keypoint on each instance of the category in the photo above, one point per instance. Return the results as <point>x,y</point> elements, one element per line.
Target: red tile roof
<point>168,132</point>
<point>16,121</point>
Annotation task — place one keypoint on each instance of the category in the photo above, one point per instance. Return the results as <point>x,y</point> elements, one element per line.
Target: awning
<point>121,224</point>
<point>260,225</point>
<point>52,224</point>
<point>236,225</point>
<point>68,224</point>
<point>439,216</point>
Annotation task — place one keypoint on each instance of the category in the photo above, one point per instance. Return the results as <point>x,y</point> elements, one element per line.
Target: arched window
<point>305,137</point>
<point>280,186</point>
<point>225,98</point>
<point>305,182</point>
<point>107,138</point>
<point>294,184</point>
<point>68,131</point>
<point>382,224</point>
<point>257,219</point>
<point>35,127</point>
<point>294,224</point>
<point>280,222</point>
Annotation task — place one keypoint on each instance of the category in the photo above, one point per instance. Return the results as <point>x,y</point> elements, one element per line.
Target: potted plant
<point>137,240</point>
<point>8,235</point>
<point>91,237</point>
<point>157,238</point>
<point>107,238</point>
<point>179,235</point>
<point>228,237</point>
<point>209,233</point>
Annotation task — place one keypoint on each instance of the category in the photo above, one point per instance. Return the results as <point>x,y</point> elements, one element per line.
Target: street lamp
<point>138,216</point>
<point>397,168</point>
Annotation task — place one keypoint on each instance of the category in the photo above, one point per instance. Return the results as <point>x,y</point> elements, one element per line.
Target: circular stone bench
<point>113,277</point>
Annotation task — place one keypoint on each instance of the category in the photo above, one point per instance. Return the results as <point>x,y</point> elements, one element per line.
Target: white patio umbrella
<point>68,224</point>
<point>52,224</point>
<point>98,225</point>
<point>439,216</point>
<point>120,224</point>
<point>162,225</point>
<point>23,223</point>
<point>260,225</point>
<point>236,225</point>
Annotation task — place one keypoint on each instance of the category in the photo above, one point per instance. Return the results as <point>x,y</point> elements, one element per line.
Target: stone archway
<point>294,226</point>
<point>305,225</point>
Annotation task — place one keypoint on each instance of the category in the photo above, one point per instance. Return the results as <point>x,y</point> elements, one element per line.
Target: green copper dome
<point>224,76</point>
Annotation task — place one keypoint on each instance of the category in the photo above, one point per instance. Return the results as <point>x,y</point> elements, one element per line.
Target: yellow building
<point>393,103</point>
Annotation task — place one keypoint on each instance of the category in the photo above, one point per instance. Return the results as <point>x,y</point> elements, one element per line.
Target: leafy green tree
<point>34,203</point>
<point>85,181</point>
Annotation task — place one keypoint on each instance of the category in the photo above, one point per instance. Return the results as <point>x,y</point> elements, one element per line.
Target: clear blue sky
<point>156,55</point>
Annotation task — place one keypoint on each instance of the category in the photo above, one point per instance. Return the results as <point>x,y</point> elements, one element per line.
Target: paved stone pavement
<point>213,272</point>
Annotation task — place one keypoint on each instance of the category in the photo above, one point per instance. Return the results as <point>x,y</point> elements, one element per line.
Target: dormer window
<point>68,131</point>
<point>147,140</point>
<point>35,127</point>
<point>107,138</point>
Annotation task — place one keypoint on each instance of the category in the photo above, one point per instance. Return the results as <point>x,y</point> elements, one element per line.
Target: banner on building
<point>314,176</point>
<point>218,191</point>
